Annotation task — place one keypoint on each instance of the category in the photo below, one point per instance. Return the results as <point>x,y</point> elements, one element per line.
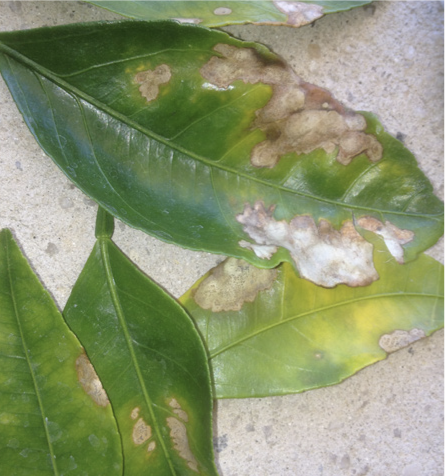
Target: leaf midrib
<point>31,370</point>
<point>56,79</point>
<point>314,311</point>
<point>104,243</point>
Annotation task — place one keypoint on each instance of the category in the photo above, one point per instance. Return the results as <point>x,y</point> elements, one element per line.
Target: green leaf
<point>50,425</point>
<point>220,13</point>
<point>215,144</point>
<point>296,336</point>
<point>150,359</point>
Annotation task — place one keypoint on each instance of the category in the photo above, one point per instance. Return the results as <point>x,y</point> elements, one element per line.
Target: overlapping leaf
<point>150,359</point>
<point>139,117</point>
<point>55,417</point>
<point>296,336</point>
<point>221,13</point>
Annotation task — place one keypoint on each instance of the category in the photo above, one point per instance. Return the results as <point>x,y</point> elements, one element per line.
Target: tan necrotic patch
<point>299,13</point>
<point>232,283</point>
<point>151,446</point>
<point>90,382</point>
<point>135,413</point>
<point>393,237</point>
<point>141,432</point>
<point>178,434</point>
<point>399,339</point>
<point>222,11</point>
<point>178,410</point>
<point>299,117</point>
<point>321,253</point>
<point>150,81</point>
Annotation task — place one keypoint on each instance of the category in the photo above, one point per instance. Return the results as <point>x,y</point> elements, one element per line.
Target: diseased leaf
<point>55,416</point>
<point>151,360</point>
<point>296,336</point>
<point>220,13</point>
<point>216,144</point>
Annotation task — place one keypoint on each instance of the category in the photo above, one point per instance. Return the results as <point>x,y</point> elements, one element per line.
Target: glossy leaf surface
<point>219,13</point>
<point>49,424</point>
<point>133,114</point>
<point>296,336</point>
<point>151,361</point>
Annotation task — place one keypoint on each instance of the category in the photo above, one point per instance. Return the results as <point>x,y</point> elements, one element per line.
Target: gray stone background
<point>386,420</point>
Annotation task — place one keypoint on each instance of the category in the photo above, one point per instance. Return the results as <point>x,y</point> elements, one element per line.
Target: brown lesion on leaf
<point>178,434</point>
<point>299,13</point>
<point>222,11</point>
<point>242,64</point>
<point>321,253</point>
<point>150,81</point>
<point>299,117</point>
<point>90,382</point>
<point>399,339</point>
<point>393,236</point>
<point>232,283</point>
<point>151,446</point>
<point>173,403</point>
<point>141,432</point>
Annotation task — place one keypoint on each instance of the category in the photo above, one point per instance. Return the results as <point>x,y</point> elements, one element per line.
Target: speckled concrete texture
<point>386,420</point>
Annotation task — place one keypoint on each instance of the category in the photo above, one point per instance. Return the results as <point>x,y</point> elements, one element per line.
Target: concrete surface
<point>388,419</point>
